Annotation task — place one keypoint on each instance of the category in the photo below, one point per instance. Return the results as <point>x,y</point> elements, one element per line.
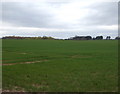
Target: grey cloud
<point>26,15</point>
<point>106,13</point>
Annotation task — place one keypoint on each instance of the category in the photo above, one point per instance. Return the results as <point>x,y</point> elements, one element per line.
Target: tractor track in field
<point>29,62</point>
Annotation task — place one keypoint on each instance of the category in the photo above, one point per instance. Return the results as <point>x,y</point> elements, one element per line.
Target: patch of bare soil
<point>16,89</point>
<point>40,85</point>
<point>23,53</point>
<point>25,62</point>
<point>37,85</point>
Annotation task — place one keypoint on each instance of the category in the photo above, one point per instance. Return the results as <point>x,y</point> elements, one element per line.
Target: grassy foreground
<point>60,65</point>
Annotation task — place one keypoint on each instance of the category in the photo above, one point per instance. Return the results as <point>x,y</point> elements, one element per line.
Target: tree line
<point>90,38</point>
<point>20,37</point>
<point>71,38</point>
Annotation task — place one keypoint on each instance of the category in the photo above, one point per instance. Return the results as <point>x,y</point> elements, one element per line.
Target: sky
<point>59,18</point>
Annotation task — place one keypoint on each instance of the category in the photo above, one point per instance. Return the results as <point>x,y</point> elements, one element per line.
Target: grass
<point>70,66</point>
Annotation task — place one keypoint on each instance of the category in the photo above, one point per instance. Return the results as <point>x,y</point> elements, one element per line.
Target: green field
<point>60,65</point>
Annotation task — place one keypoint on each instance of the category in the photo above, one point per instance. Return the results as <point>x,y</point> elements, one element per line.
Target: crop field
<point>59,65</point>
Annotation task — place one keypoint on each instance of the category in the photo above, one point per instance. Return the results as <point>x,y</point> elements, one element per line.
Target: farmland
<point>60,65</point>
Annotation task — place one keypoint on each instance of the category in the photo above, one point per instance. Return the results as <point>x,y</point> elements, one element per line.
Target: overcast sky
<point>59,19</point>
